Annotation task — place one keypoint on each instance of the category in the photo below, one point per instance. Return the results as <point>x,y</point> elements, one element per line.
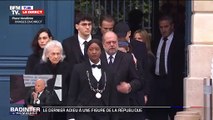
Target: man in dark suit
<point>139,51</point>
<point>169,70</point>
<point>74,46</point>
<point>106,23</point>
<point>126,79</point>
<point>37,97</point>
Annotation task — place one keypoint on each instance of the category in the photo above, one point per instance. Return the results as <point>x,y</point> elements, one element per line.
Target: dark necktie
<point>38,94</point>
<point>110,60</point>
<point>162,70</point>
<point>37,97</point>
<point>85,48</point>
<point>94,66</point>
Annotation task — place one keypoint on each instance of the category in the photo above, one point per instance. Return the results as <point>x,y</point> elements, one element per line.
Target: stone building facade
<point>200,59</point>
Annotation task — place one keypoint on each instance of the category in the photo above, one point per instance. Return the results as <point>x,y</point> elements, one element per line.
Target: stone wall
<point>200,54</point>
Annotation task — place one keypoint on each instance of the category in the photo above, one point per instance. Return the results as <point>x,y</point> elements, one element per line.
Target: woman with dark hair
<point>89,85</point>
<point>42,37</point>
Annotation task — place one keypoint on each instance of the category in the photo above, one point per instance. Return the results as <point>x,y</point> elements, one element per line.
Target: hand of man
<point>35,95</point>
<point>124,87</point>
<point>145,99</point>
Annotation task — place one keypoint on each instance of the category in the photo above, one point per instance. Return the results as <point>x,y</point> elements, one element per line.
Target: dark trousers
<point>162,100</point>
<point>137,99</point>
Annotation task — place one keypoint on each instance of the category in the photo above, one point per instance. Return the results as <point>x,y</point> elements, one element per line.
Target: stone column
<point>200,54</point>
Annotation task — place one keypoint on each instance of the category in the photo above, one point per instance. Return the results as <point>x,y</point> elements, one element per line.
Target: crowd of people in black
<point>113,67</point>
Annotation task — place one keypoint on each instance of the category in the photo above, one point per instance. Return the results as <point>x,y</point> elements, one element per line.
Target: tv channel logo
<point>27,7</point>
<point>16,10</point>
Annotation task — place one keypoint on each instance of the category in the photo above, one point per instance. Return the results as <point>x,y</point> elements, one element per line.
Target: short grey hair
<point>52,44</point>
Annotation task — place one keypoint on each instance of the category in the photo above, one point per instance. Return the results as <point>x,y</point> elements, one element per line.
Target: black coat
<point>62,68</point>
<point>123,69</point>
<point>72,51</point>
<point>33,60</point>
<point>140,52</point>
<point>80,93</point>
<point>173,83</point>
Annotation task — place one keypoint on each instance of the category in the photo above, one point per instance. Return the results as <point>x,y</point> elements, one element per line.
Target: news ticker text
<point>90,109</point>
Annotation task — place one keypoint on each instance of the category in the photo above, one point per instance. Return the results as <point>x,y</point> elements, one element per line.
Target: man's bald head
<point>39,85</point>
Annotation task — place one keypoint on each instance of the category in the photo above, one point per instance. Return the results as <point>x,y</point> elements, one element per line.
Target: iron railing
<point>119,9</point>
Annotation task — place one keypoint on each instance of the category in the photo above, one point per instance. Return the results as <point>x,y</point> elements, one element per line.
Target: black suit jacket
<point>175,64</point>
<point>123,70</point>
<point>72,51</point>
<point>44,101</point>
<point>80,93</point>
<point>44,98</point>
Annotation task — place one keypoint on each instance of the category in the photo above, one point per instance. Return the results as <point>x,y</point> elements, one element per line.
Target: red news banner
<point>32,12</point>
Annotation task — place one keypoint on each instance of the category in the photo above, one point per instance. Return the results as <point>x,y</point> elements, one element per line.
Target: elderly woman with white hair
<point>52,63</point>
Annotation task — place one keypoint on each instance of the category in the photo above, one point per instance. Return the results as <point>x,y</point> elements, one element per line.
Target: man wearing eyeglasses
<point>74,45</point>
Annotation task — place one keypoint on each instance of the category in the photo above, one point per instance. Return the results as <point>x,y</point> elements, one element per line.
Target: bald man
<point>39,88</point>
<point>126,79</point>
<point>38,96</point>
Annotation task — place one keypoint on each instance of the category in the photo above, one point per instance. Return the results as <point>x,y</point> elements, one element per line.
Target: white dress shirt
<point>168,43</point>
<point>108,59</point>
<point>96,72</point>
<point>81,42</point>
<point>37,101</point>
